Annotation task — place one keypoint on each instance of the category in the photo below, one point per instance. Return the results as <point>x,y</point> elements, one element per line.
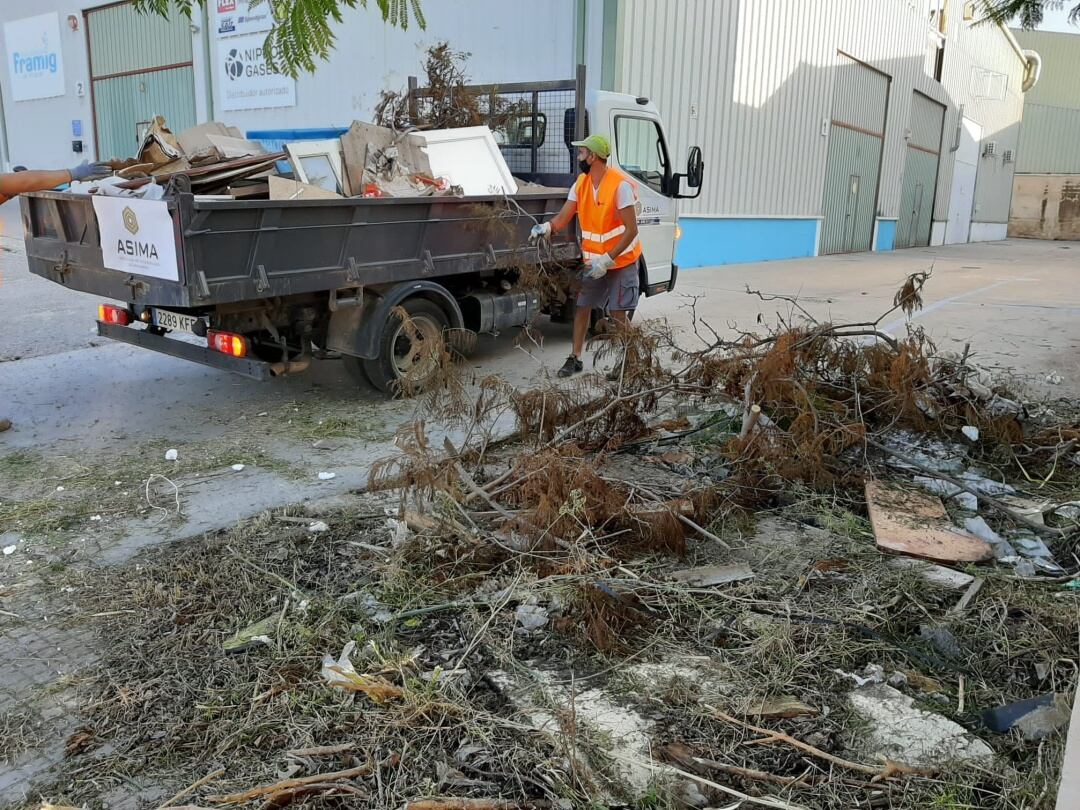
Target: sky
<point>1058,19</point>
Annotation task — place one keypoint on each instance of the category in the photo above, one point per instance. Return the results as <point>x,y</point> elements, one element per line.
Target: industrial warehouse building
<point>828,126</point>
<point>1046,190</point>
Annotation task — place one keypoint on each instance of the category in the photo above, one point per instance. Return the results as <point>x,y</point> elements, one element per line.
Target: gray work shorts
<point>617,291</point>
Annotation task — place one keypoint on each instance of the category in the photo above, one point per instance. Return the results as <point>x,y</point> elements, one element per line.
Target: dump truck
<point>261,287</point>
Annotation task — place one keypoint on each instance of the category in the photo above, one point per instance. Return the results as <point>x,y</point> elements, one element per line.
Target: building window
<point>640,148</point>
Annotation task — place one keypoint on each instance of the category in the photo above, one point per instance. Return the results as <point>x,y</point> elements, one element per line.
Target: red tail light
<point>107,313</point>
<point>228,343</point>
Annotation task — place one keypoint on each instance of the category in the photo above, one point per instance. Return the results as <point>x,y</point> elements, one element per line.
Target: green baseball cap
<point>597,144</point>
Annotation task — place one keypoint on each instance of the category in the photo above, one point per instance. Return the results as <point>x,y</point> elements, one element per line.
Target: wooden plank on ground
<point>913,523</point>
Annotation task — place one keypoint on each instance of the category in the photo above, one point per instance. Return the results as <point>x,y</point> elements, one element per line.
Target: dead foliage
<point>448,101</point>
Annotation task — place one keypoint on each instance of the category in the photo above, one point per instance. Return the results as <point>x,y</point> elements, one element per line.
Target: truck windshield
<point>639,146</point>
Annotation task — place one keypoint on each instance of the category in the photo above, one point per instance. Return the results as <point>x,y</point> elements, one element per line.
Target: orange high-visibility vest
<point>601,227</point>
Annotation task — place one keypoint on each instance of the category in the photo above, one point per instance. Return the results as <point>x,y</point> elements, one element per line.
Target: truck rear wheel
<point>410,353</point>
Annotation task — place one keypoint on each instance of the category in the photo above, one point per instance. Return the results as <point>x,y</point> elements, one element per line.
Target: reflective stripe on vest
<point>598,217</point>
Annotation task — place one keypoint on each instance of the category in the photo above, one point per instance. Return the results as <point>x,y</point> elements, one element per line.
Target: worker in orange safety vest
<point>605,201</point>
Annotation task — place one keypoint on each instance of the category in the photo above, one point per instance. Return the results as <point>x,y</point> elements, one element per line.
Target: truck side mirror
<point>695,168</point>
<point>695,175</point>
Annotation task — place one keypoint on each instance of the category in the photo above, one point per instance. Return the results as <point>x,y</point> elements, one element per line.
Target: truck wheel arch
<point>357,332</point>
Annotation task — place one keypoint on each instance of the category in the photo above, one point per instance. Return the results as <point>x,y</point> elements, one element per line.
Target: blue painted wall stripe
<point>886,235</point>
<point>707,242</point>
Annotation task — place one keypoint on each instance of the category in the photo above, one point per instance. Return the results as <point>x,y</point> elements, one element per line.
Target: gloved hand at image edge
<point>599,266</point>
<point>541,231</point>
<point>90,171</point>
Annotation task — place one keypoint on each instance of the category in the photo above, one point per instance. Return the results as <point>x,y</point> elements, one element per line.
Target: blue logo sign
<point>37,62</point>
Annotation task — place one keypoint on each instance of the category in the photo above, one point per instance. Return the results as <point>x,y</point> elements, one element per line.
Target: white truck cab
<point>639,148</point>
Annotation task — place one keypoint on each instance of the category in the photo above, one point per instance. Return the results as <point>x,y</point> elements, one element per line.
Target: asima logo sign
<point>131,222</point>
<point>35,58</point>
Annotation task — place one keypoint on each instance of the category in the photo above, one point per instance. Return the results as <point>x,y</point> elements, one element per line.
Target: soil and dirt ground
<point>504,623</point>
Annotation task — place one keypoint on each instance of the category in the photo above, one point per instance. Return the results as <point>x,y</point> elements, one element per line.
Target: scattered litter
<point>326,476</point>
<point>1036,718</point>
<point>95,518</point>
<point>909,522</point>
<point>399,531</point>
<point>342,675</point>
<point>252,636</point>
<point>238,467</point>
<point>901,732</point>
<point>171,455</point>
<point>784,706</point>
<point>965,501</point>
<point>713,574</point>
<point>531,617</point>
<point>871,674</point>
<point>59,489</point>
<point>985,486</point>
<point>318,527</point>
<point>978,527</point>
<point>936,486</point>
<point>971,433</point>
<point>1053,378</point>
<point>9,550</point>
<point>933,573</point>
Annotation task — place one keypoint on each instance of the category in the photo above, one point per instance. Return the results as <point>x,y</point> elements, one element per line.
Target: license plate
<point>175,321</point>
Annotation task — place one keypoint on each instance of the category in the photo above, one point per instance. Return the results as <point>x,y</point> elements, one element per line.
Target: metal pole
<point>579,107</point>
<point>535,122</point>
<point>412,99</point>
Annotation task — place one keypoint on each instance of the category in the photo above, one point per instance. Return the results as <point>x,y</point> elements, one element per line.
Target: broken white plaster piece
<point>318,527</point>
<point>900,731</point>
<point>238,467</point>
<point>326,476</point>
<point>9,550</point>
<point>970,432</point>
<point>171,454</point>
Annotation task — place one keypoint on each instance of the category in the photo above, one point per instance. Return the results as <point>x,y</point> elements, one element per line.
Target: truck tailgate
<point>63,244</point>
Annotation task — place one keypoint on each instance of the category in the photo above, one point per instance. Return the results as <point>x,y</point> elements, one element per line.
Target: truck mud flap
<point>245,367</point>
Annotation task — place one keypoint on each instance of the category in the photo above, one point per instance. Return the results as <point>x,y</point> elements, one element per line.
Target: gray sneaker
<point>571,367</point>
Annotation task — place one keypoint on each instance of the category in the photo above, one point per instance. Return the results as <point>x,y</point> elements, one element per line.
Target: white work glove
<point>541,231</point>
<point>599,266</point>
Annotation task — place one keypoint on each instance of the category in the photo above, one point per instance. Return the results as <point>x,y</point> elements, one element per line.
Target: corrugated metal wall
<point>140,67</point>
<point>856,137</point>
<point>1049,141</point>
<point>1050,133</point>
<point>972,47</point>
<point>1058,86</point>
<point>122,40</point>
<point>851,182</point>
<point>752,83</point>
<point>126,101</point>
<point>920,173</point>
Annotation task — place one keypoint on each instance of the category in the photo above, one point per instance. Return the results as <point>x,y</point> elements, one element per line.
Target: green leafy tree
<point>1028,13</point>
<point>303,29</point>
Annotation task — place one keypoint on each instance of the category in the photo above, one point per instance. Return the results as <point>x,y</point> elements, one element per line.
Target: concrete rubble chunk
<point>902,732</point>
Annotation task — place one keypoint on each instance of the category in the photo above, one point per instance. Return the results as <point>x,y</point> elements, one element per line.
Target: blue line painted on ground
<point>710,242</point>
